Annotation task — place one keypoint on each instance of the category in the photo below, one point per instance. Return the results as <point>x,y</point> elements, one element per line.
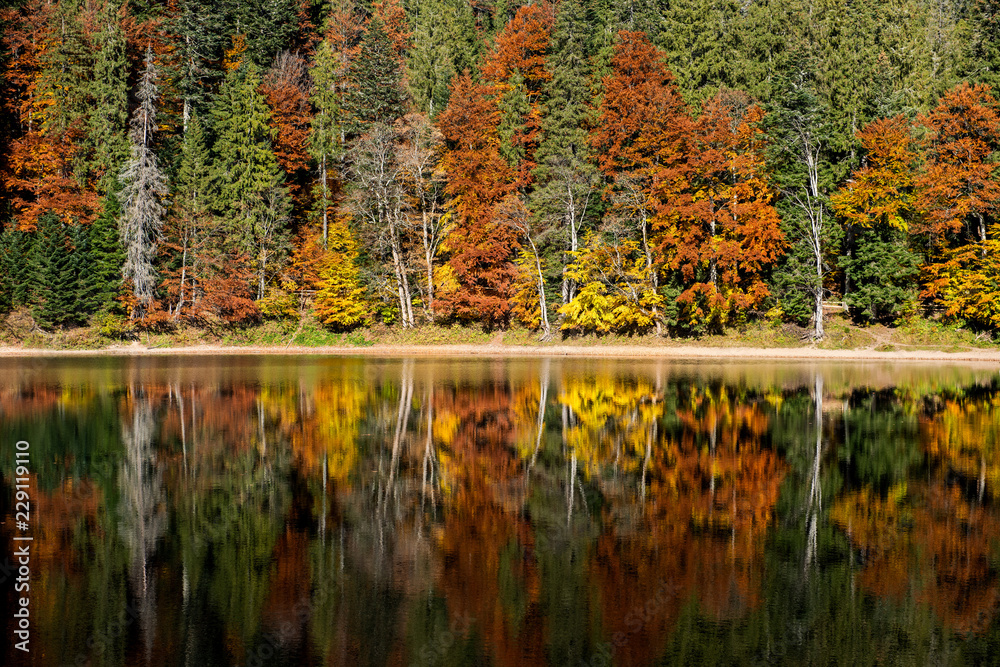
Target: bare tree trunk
<point>541,288</point>
<point>429,260</point>
<point>326,206</point>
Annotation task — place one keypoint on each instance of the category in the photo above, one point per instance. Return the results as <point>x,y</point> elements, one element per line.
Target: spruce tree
<point>699,39</point>
<point>445,44</point>
<point>328,126</point>
<point>107,256</point>
<point>20,251</point>
<point>109,89</point>
<point>566,179</point>
<point>202,29</point>
<point>7,268</point>
<point>250,196</point>
<point>881,275</point>
<point>85,286</point>
<point>377,95</point>
<point>190,219</point>
<point>54,278</point>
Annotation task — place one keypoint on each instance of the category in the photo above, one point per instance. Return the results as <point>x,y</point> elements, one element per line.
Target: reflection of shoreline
<point>668,350</point>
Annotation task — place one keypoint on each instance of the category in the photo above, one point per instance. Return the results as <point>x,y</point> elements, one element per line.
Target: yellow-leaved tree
<point>340,302</point>
<point>615,293</point>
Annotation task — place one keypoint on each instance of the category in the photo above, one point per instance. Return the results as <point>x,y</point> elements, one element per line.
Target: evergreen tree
<point>328,126</point>
<point>190,222</point>
<point>699,40</point>
<point>251,197</point>
<point>107,256</point>
<point>565,176</point>
<point>882,275</point>
<point>202,33</point>
<point>801,136</point>
<point>984,57</point>
<point>8,248</point>
<point>85,284</point>
<point>377,95</point>
<point>54,276</point>
<point>269,26</point>
<point>445,44</point>
<point>514,108</point>
<point>109,88</point>
<point>143,188</point>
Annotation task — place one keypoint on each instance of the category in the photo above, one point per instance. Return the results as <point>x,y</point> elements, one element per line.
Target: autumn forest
<point>580,166</point>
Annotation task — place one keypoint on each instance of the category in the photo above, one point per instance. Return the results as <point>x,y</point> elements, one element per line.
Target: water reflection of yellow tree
<point>710,495</point>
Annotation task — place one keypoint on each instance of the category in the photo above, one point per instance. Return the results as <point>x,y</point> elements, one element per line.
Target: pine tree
<point>143,188</point>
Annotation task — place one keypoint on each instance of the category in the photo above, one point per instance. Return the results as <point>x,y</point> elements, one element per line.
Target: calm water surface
<point>508,512</point>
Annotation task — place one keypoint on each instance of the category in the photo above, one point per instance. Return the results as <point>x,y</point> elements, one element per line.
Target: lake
<point>269,510</point>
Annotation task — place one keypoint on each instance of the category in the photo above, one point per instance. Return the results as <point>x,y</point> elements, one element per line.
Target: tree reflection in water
<point>502,512</point>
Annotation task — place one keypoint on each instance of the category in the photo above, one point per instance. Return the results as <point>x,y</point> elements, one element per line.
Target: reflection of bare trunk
<point>982,478</point>
<point>428,463</point>
<point>540,425</point>
<point>402,420</point>
<point>815,493</point>
<point>143,520</point>
<point>570,485</point>
<point>645,461</point>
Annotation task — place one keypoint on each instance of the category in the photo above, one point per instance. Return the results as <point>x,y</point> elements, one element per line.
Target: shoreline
<point>677,352</point>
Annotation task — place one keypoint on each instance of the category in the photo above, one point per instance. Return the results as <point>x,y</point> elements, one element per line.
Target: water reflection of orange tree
<point>935,538</point>
<point>702,514</point>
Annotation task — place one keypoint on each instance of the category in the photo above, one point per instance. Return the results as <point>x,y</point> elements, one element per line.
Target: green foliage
<point>445,44</point>
<point>377,95</point>
<point>250,197</point>
<point>15,268</point>
<point>881,274</point>
<point>107,256</point>
<point>56,282</point>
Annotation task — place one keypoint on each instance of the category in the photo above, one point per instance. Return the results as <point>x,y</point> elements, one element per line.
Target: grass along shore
<point>916,339</point>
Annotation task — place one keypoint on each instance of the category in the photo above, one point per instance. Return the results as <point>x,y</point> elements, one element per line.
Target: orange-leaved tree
<point>721,231</point>
<point>959,193</point>
<point>958,189</point>
<point>480,269</point>
<point>639,140</point>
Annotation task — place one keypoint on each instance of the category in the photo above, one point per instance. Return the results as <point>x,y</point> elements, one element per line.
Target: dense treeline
<point>584,165</point>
